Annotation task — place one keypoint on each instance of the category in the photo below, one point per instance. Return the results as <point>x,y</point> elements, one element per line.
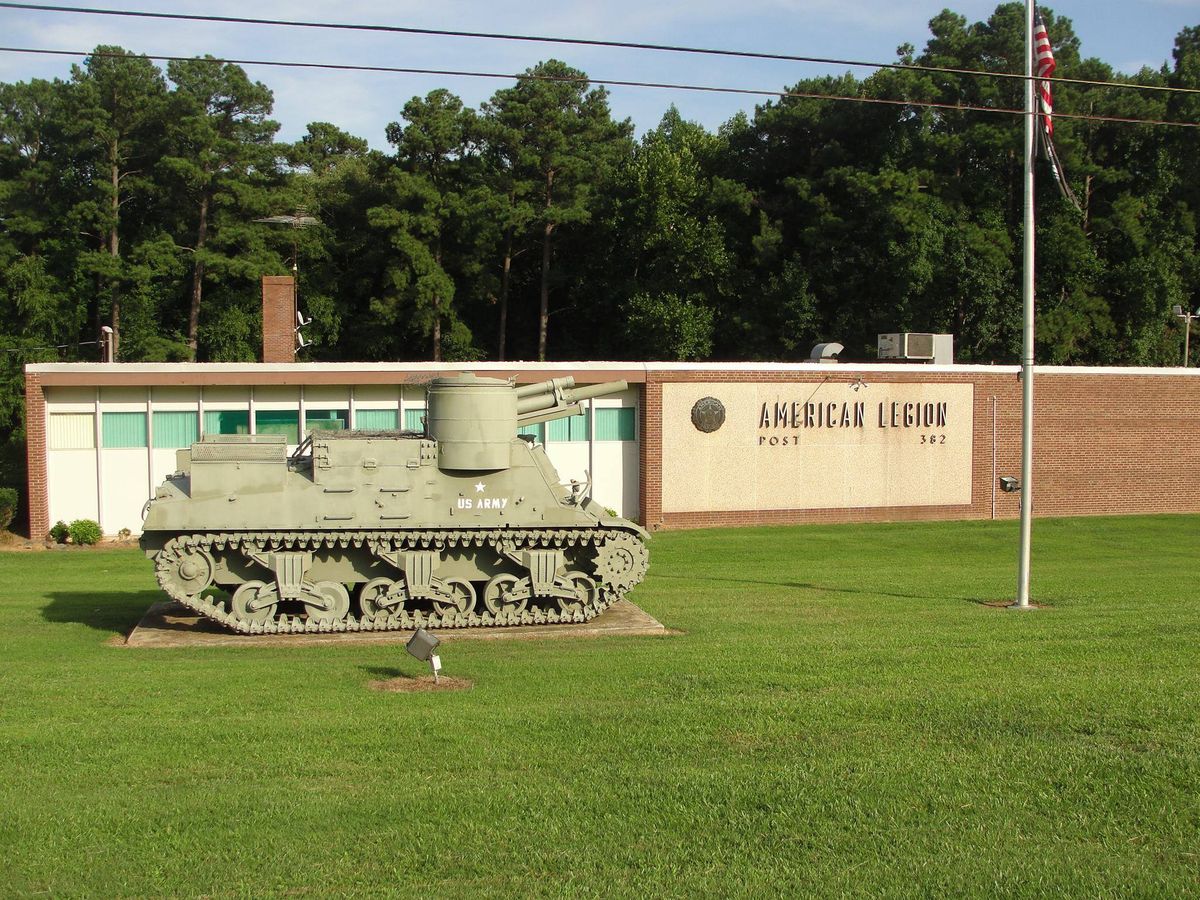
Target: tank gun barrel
<point>559,398</point>
<point>544,387</point>
<point>597,390</point>
<point>542,395</point>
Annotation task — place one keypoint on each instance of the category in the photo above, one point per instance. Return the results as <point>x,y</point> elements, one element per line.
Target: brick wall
<point>35,450</point>
<point>1104,444</point>
<point>279,318</point>
<point>650,462</point>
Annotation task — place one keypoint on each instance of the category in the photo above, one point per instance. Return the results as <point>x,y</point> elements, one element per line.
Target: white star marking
<point>480,487</point>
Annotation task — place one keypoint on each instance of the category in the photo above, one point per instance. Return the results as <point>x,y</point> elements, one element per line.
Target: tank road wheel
<point>461,598</point>
<point>373,599</point>
<point>254,602</point>
<point>585,593</point>
<point>190,573</point>
<point>337,603</point>
<point>621,562</point>
<point>498,594</point>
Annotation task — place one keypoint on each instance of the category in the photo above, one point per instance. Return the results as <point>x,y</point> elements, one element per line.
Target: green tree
<point>506,203</point>
<point>569,147</point>
<point>221,143</point>
<point>425,198</point>
<point>325,147</point>
<point>337,178</point>
<point>36,242</point>
<point>118,106</point>
<point>665,243</point>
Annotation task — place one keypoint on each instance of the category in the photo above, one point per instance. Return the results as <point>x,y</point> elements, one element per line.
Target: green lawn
<point>842,714</point>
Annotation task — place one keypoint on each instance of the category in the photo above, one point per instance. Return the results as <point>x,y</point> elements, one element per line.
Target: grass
<point>842,715</point>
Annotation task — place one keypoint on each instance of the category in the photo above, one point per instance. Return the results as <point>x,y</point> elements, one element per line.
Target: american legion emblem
<point>708,414</point>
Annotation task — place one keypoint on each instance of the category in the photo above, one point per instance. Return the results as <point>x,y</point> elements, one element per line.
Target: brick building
<point>688,445</point>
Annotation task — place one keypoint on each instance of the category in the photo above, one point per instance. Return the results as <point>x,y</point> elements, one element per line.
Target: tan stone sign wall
<point>815,446</point>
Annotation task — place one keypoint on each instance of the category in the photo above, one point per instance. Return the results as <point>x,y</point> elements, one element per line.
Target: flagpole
<point>1027,331</point>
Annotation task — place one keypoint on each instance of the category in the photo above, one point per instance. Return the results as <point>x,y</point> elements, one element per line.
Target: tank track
<point>621,540</point>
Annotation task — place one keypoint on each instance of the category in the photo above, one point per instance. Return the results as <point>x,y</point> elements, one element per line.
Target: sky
<point>1128,35</point>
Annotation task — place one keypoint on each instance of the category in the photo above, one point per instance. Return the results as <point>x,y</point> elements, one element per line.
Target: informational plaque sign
<point>746,446</point>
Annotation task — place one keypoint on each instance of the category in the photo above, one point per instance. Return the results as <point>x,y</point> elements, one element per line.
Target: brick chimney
<point>279,319</point>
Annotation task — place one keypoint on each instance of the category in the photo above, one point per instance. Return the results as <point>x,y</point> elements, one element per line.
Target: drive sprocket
<point>621,562</point>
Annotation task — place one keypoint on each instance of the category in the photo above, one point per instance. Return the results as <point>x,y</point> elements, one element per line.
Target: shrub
<point>8,505</point>
<point>84,531</point>
<point>59,532</point>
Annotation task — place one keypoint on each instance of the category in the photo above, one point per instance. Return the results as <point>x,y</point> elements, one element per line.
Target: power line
<point>613,82</point>
<point>53,347</point>
<point>580,42</point>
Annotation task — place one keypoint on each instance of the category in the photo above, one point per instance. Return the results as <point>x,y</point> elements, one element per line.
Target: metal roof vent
<point>826,353</point>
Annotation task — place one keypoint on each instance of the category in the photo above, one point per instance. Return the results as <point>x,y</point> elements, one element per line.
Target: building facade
<point>687,445</point>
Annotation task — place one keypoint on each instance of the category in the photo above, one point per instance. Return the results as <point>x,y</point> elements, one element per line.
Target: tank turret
<point>474,419</point>
<point>463,524</point>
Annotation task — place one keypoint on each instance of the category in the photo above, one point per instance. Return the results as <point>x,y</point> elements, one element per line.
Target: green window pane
<point>278,421</point>
<point>123,429</point>
<point>326,419</point>
<point>580,426</point>
<point>226,421</point>
<point>376,419</point>
<point>572,428</point>
<point>173,430</point>
<point>538,431</point>
<point>616,424</point>
<point>412,419</point>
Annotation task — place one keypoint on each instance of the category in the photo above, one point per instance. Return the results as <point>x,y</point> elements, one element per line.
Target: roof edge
<point>627,368</point>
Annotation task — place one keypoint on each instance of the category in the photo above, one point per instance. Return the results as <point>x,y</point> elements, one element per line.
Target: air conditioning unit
<point>906,345</point>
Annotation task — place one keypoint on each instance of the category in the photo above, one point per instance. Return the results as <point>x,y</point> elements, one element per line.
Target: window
<point>72,431</point>
<point>173,430</point>
<point>227,421</point>
<point>326,419</point>
<point>612,424</point>
<point>573,428</point>
<point>376,419</point>
<point>616,424</point>
<point>279,421</point>
<point>412,419</point>
<point>538,431</point>
<point>123,429</point>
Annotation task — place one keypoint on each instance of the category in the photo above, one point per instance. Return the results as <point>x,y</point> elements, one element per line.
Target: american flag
<point>1044,64</point>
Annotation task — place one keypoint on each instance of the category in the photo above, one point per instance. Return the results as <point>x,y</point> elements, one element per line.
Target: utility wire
<point>54,347</point>
<point>612,82</point>
<point>580,42</point>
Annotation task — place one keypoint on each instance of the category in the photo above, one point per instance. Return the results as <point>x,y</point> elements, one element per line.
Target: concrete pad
<point>171,624</point>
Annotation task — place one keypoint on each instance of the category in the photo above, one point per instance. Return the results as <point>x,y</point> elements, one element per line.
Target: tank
<point>465,524</point>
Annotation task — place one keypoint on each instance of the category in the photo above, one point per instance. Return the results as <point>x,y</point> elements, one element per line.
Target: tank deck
<point>171,624</point>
